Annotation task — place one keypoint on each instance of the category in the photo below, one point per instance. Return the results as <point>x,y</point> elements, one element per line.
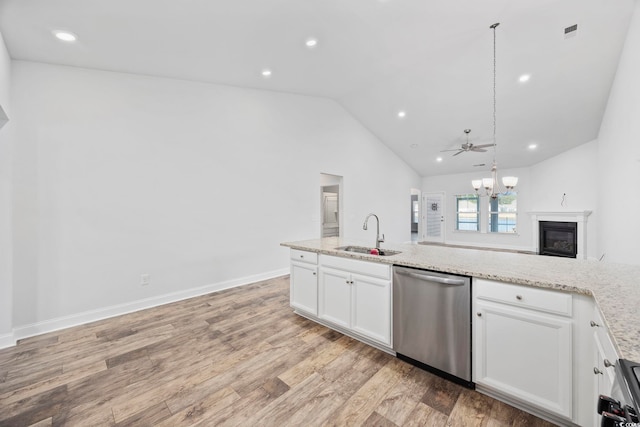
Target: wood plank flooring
<point>239,357</point>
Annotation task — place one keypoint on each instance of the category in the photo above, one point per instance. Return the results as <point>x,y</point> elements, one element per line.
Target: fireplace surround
<point>579,217</point>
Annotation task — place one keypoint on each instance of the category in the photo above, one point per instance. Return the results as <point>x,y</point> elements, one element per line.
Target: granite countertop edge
<point>602,281</point>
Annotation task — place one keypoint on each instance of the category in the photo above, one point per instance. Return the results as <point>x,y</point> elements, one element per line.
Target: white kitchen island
<point>547,331</point>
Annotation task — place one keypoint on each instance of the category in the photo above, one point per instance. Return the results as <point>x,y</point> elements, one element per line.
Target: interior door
<point>433,217</point>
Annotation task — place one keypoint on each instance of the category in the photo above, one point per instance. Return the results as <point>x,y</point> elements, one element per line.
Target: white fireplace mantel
<point>579,217</point>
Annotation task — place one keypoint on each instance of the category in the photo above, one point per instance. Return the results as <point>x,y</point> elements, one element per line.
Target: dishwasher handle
<point>430,278</point>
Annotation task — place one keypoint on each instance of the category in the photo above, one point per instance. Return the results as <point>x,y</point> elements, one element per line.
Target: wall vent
<point>570,31</point>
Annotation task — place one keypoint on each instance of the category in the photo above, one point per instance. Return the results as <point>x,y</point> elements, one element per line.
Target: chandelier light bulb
<point>487,183</point>
<point>510,182</point>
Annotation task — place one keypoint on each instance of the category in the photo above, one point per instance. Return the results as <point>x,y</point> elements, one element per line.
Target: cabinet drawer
<point>523,296</point>
<point>383,271</point>
<point>304,256</point>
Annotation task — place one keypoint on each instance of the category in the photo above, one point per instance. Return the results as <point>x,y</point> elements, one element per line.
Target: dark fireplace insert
<point>559,238</point>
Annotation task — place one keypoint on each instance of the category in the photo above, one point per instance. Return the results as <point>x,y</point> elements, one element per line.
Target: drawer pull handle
<point>597,371</point>
<point>594,324</point>
<point>519,297</point>
<point>607,364</point>
<point>479,314</point>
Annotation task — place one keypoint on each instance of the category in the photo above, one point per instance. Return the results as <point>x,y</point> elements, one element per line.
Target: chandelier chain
<point>493,186</point>
<point>494,90</point>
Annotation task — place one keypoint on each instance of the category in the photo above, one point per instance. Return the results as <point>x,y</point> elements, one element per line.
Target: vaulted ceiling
<point>433,60</point>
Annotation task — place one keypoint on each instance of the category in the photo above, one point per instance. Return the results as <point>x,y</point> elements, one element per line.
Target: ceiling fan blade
<point>444,151</point>
<point>483,146</point>
<point>479,150</point>
<point>461,151</point>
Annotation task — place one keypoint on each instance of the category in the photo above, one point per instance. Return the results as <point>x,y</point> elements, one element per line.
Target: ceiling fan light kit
<point>492,185</point>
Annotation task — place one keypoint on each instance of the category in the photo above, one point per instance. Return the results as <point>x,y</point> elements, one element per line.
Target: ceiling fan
<point>468,146</point>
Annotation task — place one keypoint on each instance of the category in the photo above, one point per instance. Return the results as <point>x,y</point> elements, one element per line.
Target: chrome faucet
<point>364,227</point>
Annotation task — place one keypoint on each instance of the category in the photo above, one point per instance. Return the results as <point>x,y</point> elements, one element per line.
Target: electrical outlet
<point>145,279</point>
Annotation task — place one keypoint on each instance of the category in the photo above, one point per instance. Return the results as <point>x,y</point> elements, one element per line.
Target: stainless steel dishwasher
<point>432,321</point>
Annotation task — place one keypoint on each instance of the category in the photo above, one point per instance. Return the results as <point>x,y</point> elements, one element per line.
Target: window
<point>503,212</point>
<point>467,212</point>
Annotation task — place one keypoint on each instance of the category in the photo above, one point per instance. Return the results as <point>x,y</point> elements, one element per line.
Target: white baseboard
<point>129,307</point>
<point>7,340</point>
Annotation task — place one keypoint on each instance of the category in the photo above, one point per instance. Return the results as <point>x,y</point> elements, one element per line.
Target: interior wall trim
<point>129,307</point>
<point>7,340</point>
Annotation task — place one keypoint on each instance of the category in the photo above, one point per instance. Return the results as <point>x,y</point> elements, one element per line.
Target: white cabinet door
<point>304,287</point>
<point>371,308</point>
<point>524,354</point>
<point>334,290</point>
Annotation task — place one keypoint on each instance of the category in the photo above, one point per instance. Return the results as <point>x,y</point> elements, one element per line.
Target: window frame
<point>477,222</point>
<point>494,213</point>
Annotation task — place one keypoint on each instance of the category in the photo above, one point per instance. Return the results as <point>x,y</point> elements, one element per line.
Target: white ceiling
<point>432,59</point>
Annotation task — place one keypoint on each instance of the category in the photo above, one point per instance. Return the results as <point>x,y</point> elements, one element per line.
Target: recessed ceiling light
<point>438,159</point>
<point>266,73</point>
<point>311,43</point>
<point>533,146</point>
<point>66,36</point>
<point>402,114</point>
<point>524,78</point>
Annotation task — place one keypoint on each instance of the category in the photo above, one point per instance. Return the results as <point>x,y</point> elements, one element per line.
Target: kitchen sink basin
<point>365,250</point>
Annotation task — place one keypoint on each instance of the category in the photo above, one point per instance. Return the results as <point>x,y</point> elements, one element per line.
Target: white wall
<point>619,157</point>
<point>574,175</point>
<point>5,200</point>
<point>195,184</point>
<point>540,188</point>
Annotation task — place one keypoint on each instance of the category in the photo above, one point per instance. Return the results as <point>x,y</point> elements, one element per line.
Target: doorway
<point>330,205</point>
<point>433,217</point>
<point>415,215</point>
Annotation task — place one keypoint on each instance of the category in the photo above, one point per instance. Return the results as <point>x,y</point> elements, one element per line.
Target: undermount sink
<point>365,250</point>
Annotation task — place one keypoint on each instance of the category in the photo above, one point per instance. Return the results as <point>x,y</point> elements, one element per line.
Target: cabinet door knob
<point>597,371</point>
<point>607,364</point>
<point>301,256</point>
<point>479,314</point>
<point>519,297</point>
<point>594,324</point>
<point>314,273</point>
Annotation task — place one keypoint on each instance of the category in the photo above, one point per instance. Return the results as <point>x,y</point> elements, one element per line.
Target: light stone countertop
<point>615,287</point>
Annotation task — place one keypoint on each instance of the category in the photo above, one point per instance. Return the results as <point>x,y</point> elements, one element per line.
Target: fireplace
<point>579,217</point>
<point>558,238</point>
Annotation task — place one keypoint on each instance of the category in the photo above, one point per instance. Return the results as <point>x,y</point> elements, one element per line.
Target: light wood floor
<point>234,358</point>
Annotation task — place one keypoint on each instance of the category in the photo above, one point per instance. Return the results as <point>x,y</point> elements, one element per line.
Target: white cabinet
<point>356,296</point>
<point>371,308</point>
<point>335,296</point>
<point>523,344</point>
<point>303,293</point>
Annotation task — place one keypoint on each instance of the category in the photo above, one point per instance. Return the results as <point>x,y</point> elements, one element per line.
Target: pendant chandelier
<point>492,186</point>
